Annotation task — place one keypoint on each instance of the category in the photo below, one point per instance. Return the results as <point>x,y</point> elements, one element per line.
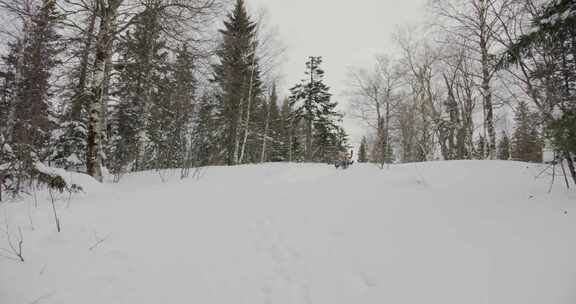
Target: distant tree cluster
<point>485,65</point>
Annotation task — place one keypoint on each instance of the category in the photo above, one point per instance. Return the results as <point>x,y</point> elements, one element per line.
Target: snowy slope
<point>435,233</point>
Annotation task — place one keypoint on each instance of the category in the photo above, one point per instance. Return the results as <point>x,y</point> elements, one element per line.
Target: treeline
<point>490,79</point>
<point>116,86</point>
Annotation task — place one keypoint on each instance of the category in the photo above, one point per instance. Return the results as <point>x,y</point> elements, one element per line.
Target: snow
<point>8,149</point>
<point>559,17</point>
<point>440,232</point>
<point>74,159</point>
<point>70,178</point>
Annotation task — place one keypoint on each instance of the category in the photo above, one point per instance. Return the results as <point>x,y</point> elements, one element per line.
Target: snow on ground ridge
<point>444,232</point>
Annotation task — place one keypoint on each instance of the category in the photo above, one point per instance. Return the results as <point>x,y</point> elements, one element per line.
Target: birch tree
<point>374,98</point>
<point>474,24</point>
<point>107,11</point>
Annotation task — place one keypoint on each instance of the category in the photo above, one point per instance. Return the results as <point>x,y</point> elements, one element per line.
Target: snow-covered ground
<point>436,233</point>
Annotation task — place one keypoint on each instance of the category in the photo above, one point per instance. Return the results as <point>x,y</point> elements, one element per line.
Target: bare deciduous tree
<point>374,97</point>
<point>474,25</point>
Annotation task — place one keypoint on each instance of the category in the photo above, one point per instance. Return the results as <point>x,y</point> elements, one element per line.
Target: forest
<point>287,151</point>
<point>110,87</point>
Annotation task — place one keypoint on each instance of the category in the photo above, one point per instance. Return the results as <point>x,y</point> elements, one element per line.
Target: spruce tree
<point>204,141</point>
<point>313,107</point>
<point>184,85</point>
<point>141,91</point>
<point>276,133</point>
<point>363,151</point>
<point>71,142</point>
<point>237,75</point>
<point>271,139</point>
<point>552,37</point>
<point>479,152</point>
<point>286,130</point>
<point>526,142</point>
<point>383,150</point>
<point>32,59</point>
<point>504,147</point>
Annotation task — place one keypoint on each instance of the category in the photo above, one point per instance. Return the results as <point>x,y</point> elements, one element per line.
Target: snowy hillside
<point>435,233</point>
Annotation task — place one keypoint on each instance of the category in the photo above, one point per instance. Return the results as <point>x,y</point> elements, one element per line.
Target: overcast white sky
<point>346,33</point>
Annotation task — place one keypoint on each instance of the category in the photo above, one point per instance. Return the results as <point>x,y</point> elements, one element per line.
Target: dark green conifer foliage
<point>363,151</point>
<point>314,109</point>
<point>504,147</point>
<point>237,75</point>
<point>526,140</point>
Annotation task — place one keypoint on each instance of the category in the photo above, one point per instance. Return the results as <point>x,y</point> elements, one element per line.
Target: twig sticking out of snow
<point>42,298</point>
<point>98,241</point>
<point>56,218</point>
<point>15,252</point>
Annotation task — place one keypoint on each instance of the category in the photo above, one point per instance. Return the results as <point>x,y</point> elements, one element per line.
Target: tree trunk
<point>289,141</point>
<point>308,151</point>
<point>309,140</point>
<point>105,37</point>
<point>79,101</point>
<point>265,137</point>
<point>571,165</point>
<point>486,78</point>
<point>1,184</point>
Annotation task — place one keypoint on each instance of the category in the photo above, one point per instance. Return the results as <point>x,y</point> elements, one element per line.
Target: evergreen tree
<point>526,142</point>
<point>563,132</point>
<point>183,86</point>
<point>142,91</point>
<point>363,151</point>
<point>552,38</point>
<point>504,147</point>
<point>383,151</point>
<point>171,113</point>
<point>237,75</point>
<point>479,152</point>
<point>204,138</point>
<point>71,140</point>
<point>286,131</point>
<point>313,107</point>
<point>276,131</point>
<point>6,98</point>
<point>31,60</point>
<point>271,139</point>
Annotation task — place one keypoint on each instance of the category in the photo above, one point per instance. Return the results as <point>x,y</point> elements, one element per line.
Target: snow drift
<point>444,232</point>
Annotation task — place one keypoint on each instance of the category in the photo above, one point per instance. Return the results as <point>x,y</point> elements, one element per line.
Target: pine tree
<point>480,151</point>
<point>313,107</point>
<point>71,140</point>
<point>363,151</point>
<point>6,98</point>
<point>276,132</point>
<point>204,141</point>
<point>32,58</point>
<point>383,151</point>
<point>504,147</point>
<point>144,92</point>
<point>553,38</point>
<point>271,139</point>
<point>526,142</point>
<point>238,77</point>
<point>184,86</point>
<point>286,130</point>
